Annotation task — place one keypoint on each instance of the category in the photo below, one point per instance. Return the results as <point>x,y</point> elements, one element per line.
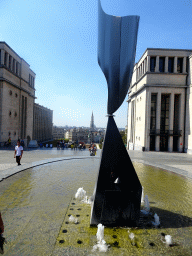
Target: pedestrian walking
<point>18,152</point>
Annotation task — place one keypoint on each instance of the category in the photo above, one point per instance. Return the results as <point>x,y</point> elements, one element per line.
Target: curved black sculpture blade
<point>116,204</point>
<point>117,39</point>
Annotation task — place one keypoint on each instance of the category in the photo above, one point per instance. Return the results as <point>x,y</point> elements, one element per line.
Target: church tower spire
<point>92,126</point>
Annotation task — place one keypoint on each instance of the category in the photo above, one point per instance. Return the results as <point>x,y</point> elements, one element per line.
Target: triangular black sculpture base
<point>116,204</point>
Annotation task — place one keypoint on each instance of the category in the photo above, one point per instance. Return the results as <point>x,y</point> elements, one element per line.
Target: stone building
<point>160,102</point>
<point>17,94</point>
<point>98,135</point>
<point>58,132</point>
<point>77,134</point>
<point>42,123</point>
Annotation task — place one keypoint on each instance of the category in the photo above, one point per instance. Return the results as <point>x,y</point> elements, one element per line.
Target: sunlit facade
<point>160,102</point>
<point>17,94</point>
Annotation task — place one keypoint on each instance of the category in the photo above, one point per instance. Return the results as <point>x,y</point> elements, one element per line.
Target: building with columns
<point>160,102</point>
<point>17,94</point>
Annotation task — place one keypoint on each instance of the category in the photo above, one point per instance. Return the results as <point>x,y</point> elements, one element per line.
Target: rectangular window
<point>164,125</point>
<point>13,67</point>
<point>17,68</point>
<point>176,112</point>
<point>179,65</point>
<point>22,117</point>
<point>170,64</point>
<point>152,64</point>
<point>153,111</point>
<point>25,117</point>
<point>162,64</point>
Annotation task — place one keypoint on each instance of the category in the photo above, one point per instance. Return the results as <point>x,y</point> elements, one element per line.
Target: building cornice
<point>2,42</point>
<point>157,73</point>
<point>16,86</point>
<point>155,85</point>
<point>163,49</point>
<point>42,107</point>
<point>3,66</point>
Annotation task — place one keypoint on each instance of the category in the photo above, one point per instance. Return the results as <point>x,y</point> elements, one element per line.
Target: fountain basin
<point>35,204</point>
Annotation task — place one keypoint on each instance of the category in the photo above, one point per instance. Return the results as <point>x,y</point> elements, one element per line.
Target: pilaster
<point>148,63</point>
<point>147,120</point>
<point>7,60</point>
<point>166,64</point>
<point>175,65</point>
<point>157,64</point>
<point>2,56</point>
<point>171,117</point>
<point>181,121</point>
<point>158,119</point>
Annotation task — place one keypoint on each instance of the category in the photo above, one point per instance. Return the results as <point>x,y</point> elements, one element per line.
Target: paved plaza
<point>180,163</point>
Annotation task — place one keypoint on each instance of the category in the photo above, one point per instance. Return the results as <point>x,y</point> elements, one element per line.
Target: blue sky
<point>58,38</point>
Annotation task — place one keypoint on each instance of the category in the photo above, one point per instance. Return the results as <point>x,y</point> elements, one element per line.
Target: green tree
<point>124,136</point>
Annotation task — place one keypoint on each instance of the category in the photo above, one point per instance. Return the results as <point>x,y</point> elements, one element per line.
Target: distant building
<point>77,134</point>
<point>17,94</point>
<point>98,135</point>
<point>42,124</point>
<point>160,102</point>
<point>58,132</point>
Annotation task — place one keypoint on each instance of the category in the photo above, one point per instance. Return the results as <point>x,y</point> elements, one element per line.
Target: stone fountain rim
<point>11,171</point>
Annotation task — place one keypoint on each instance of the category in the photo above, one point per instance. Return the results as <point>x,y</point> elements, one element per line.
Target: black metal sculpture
<point>118,190</point>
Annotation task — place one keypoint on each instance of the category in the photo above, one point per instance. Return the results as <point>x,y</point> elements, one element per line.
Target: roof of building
<point>163,49</point>
<point>3,42</point>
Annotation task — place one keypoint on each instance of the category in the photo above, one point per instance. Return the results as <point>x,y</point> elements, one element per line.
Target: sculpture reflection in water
<point>117,194</point>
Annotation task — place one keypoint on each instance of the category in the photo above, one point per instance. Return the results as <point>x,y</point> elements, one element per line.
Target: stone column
<point>13,66</point>
<point>184,65</point>
<point>158,120</point>
<point>19,69</point>
<point>181,120</point>
<point>157,64</point>
<point>166,64</point>
<point>137,74</point>
<point>145,65</point>
<point>147,121</point>
<point>175,65</point>
<point>148,64</point>
<point>171,117</point>
<point>7,60</point>
<point>2,56</point>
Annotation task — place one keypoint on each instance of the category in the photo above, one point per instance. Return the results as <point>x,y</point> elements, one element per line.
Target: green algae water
<point>34,204</point>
